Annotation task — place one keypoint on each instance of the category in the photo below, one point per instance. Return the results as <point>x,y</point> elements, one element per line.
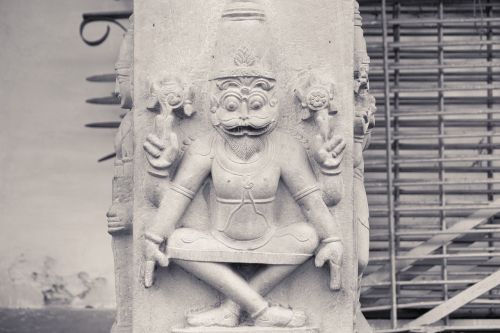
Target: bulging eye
<point>231,104</point>
<point>256,102</point>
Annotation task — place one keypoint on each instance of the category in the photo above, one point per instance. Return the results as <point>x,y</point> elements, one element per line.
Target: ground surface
<point>55,321</point>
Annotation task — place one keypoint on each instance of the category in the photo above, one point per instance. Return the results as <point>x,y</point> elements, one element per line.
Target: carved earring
<point>273,102</point>
<point>214,104</point>
<point>214,119</point>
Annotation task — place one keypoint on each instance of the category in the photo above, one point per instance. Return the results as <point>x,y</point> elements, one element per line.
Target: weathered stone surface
<point>243,166</point>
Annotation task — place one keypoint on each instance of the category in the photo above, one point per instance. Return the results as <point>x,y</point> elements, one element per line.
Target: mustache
<point>254,122</point>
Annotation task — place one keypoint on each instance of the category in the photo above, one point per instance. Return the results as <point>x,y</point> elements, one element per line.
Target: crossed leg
<point>242,294</point>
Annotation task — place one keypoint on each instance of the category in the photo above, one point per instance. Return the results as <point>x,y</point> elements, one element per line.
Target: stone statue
<point>239,167</point>
<point>364,121</point>
<point>120,213</point>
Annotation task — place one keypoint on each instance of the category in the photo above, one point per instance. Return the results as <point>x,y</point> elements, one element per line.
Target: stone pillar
<point>243,169</point>
<point>120,213</point>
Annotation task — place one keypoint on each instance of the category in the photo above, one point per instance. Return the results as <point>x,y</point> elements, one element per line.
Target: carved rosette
<point>316,97</point>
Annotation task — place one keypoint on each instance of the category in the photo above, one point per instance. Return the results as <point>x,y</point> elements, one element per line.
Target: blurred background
<point>54,246</point>
<point>431,172</point>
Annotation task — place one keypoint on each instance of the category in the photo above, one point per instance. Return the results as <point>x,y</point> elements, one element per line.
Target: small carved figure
<point>240,166</point>
<point>364,121</point>
<point>120,213</point>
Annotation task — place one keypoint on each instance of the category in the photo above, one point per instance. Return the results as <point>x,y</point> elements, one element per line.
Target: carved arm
<point>193,171</point>
<point>300,179</point>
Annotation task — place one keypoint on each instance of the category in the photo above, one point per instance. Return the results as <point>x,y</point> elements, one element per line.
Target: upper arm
<point>296,170</point>
<point>195,166</point>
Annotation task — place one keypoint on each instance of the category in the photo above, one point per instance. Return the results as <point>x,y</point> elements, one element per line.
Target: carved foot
<point>277,316</point>
<point>227,315</point>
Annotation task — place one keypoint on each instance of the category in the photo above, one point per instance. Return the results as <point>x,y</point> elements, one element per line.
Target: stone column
<point>217,200</point>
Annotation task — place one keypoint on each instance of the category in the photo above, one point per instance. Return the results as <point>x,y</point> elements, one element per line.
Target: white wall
<point>53,193</point>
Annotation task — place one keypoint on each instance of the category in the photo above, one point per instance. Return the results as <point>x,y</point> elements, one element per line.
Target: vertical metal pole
<point>490,127</point>
<point>441,109</point>
<point>389,163</point>
<point>396,32</point>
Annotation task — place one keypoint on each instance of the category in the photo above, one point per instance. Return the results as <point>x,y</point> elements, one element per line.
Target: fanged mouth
<point>247,130</point>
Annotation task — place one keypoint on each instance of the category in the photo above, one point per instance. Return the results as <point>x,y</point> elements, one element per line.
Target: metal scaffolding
<point>432,172</point>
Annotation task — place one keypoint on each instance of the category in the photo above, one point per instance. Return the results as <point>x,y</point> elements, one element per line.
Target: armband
<point>182,190</point>
<point>305,192</point>
<point>331,240</point>
<point>153,238</point>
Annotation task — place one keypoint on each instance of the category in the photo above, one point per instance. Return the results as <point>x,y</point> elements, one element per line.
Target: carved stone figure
<point>120,213</point>
<point>239,167</point>
<point>243,172</point>
<point>364,121</point>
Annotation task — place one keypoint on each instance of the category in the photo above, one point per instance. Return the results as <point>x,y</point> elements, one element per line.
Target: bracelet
<point>331,240</point>
<point>331,172</point>
<point>154,238</point>
<point>359,138</point>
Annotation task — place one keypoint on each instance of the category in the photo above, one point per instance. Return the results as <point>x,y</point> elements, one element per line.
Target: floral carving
<point>244,57</point>
<point>316,97</point>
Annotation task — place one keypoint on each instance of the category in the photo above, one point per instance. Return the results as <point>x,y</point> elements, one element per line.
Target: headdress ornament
<point>243,42</point>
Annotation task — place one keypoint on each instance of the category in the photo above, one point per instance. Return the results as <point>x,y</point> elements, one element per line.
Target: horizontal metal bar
<point>430,208</point>
<point>108,100</point>
<point>435,168</point>
<point>445,232</point>
<point>104,15</point>
<point>109,124</point>
<point>448,328</point>
<point>446,65</point>
<point>417,113</point>
<point>426,101</point>
<point>448,256</point>
<point>447,88</point>
<point>425,21</point>
<point>478,158</point>
<point>427,32</point>
<point>379,191</point>
<point>423,214</point>
<point>442,44</point>
<point>419,54</point>
<point>446,182</point>
<point>422,283</point>
<point>445,136</point>
<point>447,146</point>
<point>102,78</point>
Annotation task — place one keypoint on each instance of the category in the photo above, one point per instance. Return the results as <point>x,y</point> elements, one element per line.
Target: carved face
<point>364,115</point>
<point>244,106</point>
<point>124,88</point>
<point>361,81</point>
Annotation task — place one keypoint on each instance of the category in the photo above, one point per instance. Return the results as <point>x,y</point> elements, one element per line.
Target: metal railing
<point>432,173</point>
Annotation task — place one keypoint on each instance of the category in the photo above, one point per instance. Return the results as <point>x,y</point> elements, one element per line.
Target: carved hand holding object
<point>153,246</point>
<point>329,152</point>
<point>331,251</point>
<point>162,146</point>
<point>119,218</point>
